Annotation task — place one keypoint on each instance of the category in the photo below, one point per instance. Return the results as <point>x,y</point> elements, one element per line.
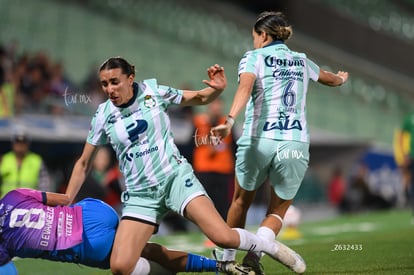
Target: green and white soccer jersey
<point>277,107</point>
<point>140,134</point>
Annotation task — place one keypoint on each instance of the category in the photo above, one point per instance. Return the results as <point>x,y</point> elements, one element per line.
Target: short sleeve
<point>26,192</point>
<point>96,134</point>
<point>247,63</point>
<point>170,95</point>
<point>313,70</point>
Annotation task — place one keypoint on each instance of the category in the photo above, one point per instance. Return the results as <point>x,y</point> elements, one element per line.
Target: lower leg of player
<point>197,263</point>
<point>275,249</point>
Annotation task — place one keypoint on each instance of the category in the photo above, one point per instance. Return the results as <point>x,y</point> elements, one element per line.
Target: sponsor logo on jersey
<point>136,128</point>
<point>188,183</point>
<point>284,123</point>
<point>273,61</point>
<point>147,151</point>
<point>149,102</point>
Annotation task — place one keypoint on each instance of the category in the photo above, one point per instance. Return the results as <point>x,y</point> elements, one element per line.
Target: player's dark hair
<point>274,24</point>
<point>118,62</point>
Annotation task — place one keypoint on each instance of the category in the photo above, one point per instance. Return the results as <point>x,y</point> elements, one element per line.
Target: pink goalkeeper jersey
<point>26,222</point>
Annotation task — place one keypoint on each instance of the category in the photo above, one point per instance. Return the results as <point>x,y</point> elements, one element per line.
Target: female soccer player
<point>273,83</point>
<point>158,179</point>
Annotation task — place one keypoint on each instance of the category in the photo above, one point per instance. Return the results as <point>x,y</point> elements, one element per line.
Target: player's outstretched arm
<point>331,79</point>
<point>216,84</point>
<point>80,171</point>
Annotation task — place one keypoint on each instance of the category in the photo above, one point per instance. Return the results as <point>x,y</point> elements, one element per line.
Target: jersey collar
<point>134,97</point>
<point>276,42</point>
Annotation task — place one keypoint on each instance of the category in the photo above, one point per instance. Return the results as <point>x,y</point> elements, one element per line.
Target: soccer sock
<point>8,269</point>
<point>229,255</point>
<point>267,234</point>
<point>142,267</point>
<point>252,242</point>
<point>146,267</point>
<point>156,268</point>
<point>197,263</point>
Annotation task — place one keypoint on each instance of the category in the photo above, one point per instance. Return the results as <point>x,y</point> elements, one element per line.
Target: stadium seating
<point>175,42</point>
<point>381,15</point>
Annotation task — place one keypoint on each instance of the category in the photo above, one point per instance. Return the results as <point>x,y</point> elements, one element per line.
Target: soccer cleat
<point>234,268</point>
<point>289,258</point>
<point>230,267</point>
<point>253,261</point>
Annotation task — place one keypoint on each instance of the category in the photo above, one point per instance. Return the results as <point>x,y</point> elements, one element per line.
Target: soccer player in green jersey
<point>273,83</point>
<point>158,179</point>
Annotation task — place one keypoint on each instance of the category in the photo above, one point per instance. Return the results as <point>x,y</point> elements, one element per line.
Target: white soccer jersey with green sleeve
<point>277,107</point>
<point>140,134</point>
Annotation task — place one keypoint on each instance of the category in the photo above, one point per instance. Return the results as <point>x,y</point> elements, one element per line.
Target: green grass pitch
<point>369,243</point>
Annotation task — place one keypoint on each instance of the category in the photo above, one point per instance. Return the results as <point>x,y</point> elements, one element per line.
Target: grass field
<point>370,243</point>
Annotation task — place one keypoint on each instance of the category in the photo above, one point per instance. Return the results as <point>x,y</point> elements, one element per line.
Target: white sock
<point>229,255</point>
<point>252,242</point>
<point>146,267</point>
<point>142,267</point>
<point>267,234</point>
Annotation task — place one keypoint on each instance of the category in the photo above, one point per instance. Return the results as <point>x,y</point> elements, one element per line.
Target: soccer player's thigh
<point>183,189</point>
<point>253,159</point>
<point>289,167</point>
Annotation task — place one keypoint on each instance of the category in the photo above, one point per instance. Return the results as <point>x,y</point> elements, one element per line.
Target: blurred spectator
<point>58,88</point>
<point>92,87</point>
<point>59,83</point>
<point>406,144</point>
<point>336,187</point>
<point>214,163</point>
<point>23,168</point>
<point>4,98</point>
<point>32,83</point>
<point>7,90</point>
<point>359,196</point>
<point>183,129</point>
<point>19,71</point>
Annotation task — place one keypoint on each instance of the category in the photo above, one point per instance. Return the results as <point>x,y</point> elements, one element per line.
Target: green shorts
<point>284,163</point>
<point>152,204</point>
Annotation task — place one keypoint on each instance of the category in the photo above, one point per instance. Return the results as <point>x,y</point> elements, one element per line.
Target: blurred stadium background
<point>53,49</point>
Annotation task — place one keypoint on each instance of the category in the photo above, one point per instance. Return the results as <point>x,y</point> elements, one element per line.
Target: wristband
<point>230,120</point>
